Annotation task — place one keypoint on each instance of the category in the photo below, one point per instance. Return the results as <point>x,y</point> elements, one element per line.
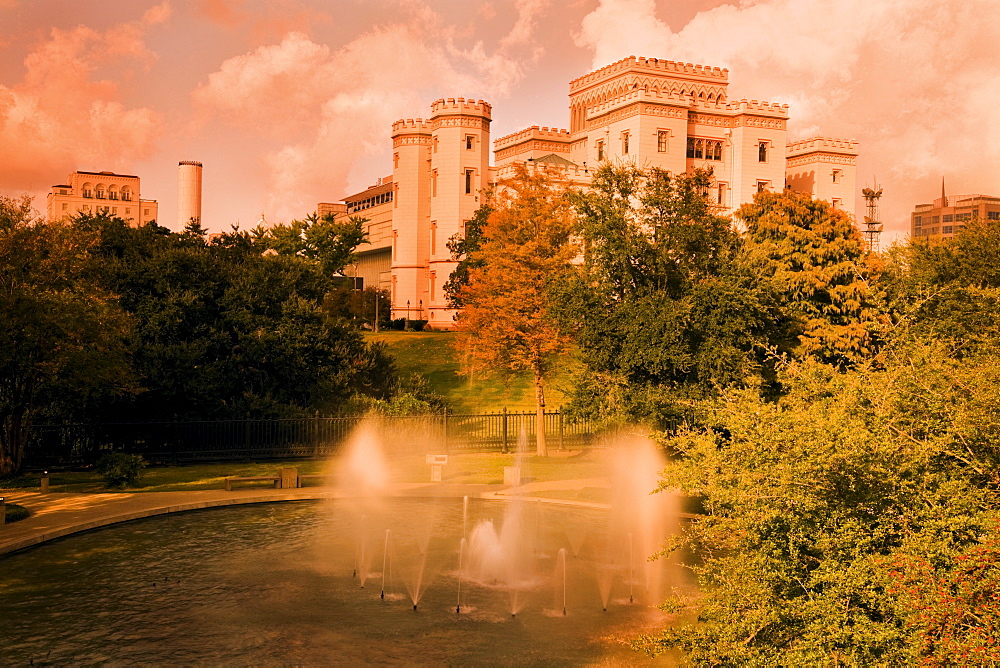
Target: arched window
<point>113,192</point>
<point>88,189</point>
<point>100,191</point>
<point>762,152</point>
<point>126,193</point>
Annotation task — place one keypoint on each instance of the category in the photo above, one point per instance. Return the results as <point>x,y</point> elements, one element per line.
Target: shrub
<point>15,513</point>
<point>416,325</point>
<point>120,469</point>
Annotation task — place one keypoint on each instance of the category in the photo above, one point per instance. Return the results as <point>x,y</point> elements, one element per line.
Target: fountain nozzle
<point>414,606</point>
<point>564,612</point>
<point>383,595</point>
<point>458,609</point>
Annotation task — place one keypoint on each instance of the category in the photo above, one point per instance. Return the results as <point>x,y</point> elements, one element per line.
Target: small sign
<point>438,460</point>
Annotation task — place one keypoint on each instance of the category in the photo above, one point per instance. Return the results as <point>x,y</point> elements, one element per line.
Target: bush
<point>398,324</point>
<point>416,325</point>
<point>120,469</point>
<point>15,513</point>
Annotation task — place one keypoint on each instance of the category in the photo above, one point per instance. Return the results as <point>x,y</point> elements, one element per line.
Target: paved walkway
<point>58,514</point>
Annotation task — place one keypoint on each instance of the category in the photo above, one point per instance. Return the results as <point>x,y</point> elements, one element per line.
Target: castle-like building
<point>644,111</point>
<point>101,192</point>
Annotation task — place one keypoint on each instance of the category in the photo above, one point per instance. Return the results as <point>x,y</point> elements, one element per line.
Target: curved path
<point>59,514</point>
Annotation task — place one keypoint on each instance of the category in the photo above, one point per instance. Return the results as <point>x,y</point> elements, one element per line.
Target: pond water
<point>281,584</point>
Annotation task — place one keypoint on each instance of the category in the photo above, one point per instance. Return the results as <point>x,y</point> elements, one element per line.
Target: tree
<point>816,505</point>
<point>665,308</point>
<point>62,337</point>
<point>327,240</point>
<point>464,249</point>
<point>507,323</point>
<point>226,330</point>
<point>814,256</point>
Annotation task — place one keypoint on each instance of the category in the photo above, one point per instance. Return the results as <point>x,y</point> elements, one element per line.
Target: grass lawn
<point>470,468</point>
<point>432,355</point>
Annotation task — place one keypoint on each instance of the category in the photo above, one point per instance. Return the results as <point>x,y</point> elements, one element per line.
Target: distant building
<point>643,111</point>
<point>947,215</point>
<point>101,192</point>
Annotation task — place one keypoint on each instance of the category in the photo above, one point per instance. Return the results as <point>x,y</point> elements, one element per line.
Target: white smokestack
<point>188,192</point>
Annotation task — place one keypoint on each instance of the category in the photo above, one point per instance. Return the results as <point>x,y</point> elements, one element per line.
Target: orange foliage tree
<point>506,324</point>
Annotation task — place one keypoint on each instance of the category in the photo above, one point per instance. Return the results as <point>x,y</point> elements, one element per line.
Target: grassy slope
<point>433,355</point>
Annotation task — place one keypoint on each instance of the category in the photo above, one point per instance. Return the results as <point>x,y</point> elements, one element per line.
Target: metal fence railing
<point>302,437</point>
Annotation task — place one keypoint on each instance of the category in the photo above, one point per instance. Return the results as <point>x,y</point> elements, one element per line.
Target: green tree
<point>62,337</point>
<point>507,323</point>
<point>814,255</point>
<point>814,503</point>
<point>226,329</point>
<point>665,308</point>
<point>328,240</point>
<point>464,248</point>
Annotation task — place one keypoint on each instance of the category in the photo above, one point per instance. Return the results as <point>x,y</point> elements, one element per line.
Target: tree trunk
<point>542,450</point>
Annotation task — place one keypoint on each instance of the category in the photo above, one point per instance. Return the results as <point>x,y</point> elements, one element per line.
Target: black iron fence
<point>223,440</point>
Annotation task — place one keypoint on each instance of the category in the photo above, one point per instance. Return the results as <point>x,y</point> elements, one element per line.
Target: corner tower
<point>411,168</point>
<point>459,172</point>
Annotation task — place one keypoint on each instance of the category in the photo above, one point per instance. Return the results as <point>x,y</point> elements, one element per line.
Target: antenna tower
<point>873,226</point>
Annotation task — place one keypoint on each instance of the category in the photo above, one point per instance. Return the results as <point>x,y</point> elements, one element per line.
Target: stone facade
<point>644,111</point>
<point>101,192</point>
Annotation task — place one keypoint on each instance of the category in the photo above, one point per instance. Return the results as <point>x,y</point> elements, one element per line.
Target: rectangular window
<point>112,195</point>
<point>993,215</point>
<point>722,194</point>
<point>468,182</point>
<point>661,141</point>
<point>947,218</point>
<point>624,143</point>
<point>87,193</point>
<point>145,212</point>
<point>762,151</point>
<point>762,186</point>
<point>946,229</point>
<point>836,203</point>
<point>434,183</point>
<point>434,229</point>
<point>65,206</point>
<point>114,210</point>
<point>395,161</point>
<point>128,210</point>
<point>916,220</point>
<point>469,141</point>
<point>837,174</point>
<point>600,151</point>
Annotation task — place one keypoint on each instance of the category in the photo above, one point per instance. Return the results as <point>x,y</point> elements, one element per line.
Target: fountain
<point>275,586</point>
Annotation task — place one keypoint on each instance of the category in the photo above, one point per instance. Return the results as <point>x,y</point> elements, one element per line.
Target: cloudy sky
<point>289,102</point>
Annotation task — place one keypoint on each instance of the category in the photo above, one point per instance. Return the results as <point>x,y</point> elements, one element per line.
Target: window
<point>946,229</point>
<point>993,215</point>
<point>145,212</point>
<point>762,152</point>
<point>395,161</point>
<point>114,210</point>
<point>836,203</point>
<point>126,194</point>
<point>947,218</point>
<point>468,182</point>
<point>722,194</point>
<point>434,183</point>
<point>434,229</point>
<point>661,140</point>
<point>600,151</point>
<point>704,149</point>
<point>469,142</point>
<point>100,192</point>
<point>837,175</point>
<point>916,221</point>
<point>435,144</point>
<point>624,143</point>
<point>762,186</point>
<point>65,206</point>
<point>127,211</point>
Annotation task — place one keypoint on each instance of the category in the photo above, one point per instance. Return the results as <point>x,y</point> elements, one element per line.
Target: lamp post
<point>406,325</point>
<point>3,511</point>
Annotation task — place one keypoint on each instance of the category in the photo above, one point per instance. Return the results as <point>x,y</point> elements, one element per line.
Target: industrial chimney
<point>188,192</point>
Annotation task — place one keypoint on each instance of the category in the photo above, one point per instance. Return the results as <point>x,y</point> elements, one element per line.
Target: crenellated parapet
<point>824,145</point>
<point>755,107</point>
<point>411,126</point>
<point>533,133</point>
<point>461,107</point>
<point>651,66</point>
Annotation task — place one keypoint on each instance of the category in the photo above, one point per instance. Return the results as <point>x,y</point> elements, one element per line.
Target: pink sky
<point>289,102</point>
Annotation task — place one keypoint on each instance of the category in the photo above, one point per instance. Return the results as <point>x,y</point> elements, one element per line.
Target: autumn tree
<point>507,323</point>
<point>464,248</point>
<point>813,254</point>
